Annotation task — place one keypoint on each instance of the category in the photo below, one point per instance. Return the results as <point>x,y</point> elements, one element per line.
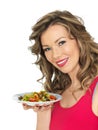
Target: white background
<point>17,74</point>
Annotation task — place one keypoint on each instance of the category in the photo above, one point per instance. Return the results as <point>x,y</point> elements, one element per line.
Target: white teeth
<point>62,62</point>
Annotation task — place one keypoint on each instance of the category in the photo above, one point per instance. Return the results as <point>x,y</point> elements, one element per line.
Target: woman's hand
<point>37,108</point>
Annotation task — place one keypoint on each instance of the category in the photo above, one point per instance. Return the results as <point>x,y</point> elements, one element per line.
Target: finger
<point>26,107</point>
<point>36,108</point>
<point>46,107</point>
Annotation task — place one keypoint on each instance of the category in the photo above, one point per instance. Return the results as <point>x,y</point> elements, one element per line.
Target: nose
<point>56,53</point>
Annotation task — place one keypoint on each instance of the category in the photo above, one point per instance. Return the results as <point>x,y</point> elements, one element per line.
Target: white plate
<point>40,103</point>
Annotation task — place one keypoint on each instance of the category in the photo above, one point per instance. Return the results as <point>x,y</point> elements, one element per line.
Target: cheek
<point>75,55</point>
<point>48,57</point>
<point>74,51</point>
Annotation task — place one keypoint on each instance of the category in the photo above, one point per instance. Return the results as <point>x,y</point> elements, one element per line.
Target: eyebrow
<point>59,39</point>
<point>44,45</point>
<point>54,41</point>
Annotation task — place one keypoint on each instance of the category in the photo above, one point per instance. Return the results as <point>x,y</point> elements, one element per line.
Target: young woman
<point>68,59</point>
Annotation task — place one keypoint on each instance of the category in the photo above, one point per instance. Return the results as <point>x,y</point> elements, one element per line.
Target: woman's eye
<point>61,43</point>
<point>46,49</point>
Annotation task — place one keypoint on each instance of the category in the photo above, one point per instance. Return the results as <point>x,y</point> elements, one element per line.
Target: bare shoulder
<point>96,91</point>
<point>95,100</point>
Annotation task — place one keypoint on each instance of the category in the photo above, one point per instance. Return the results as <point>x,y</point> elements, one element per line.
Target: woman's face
<point>60,50</point>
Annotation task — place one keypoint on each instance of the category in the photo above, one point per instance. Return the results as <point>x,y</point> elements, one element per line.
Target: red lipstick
<point>62,62</point>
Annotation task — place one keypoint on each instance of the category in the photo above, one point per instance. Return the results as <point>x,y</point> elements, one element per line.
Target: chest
<point>81,112</point>
<point>70,99</point>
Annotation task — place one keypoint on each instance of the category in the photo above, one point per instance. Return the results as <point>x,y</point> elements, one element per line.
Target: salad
<point>41,96</point>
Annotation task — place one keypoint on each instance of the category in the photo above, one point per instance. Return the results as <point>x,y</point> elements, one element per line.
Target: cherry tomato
<point>52,97</point>
<point>32,99</point>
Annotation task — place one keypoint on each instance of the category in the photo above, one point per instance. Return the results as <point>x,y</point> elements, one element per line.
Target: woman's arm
<point>43,115</point>
<point>43,119</point>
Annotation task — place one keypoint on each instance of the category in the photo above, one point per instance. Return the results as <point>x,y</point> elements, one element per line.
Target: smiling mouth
<point>62,62</point>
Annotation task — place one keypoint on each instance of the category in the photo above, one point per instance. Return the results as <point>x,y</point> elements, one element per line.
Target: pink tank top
<point>77,117</point>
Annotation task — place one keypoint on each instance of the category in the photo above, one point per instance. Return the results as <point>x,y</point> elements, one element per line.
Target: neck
<point>73,75</point>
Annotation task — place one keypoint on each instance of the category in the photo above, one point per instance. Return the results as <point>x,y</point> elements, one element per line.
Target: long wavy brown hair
<point>54,80</point>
